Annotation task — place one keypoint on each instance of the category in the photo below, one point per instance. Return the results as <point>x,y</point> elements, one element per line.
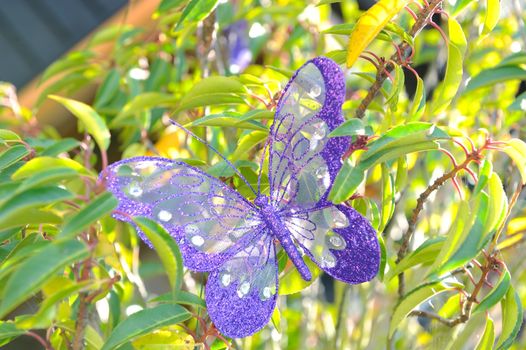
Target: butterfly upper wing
<point>302,159</point>
<point>303,163</point>
<point>210,221</point>
<point>241,294</point>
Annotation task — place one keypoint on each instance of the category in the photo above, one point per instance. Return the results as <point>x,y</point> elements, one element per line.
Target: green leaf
<point>143,102</point>
<point>511,319</point>
<point>396,87</point>
<point>40,164</point>
<point>412,299</point>
<point>492,16</point>
<point>96,209</point>
<point>388,198</point>
<point>60,146</point>
<point>418,105</point>
<point>291,281</point>
<point>488,337</point>
<point>352,127</point>
<point>181,297</point>
<point>276,319</point>
<point>516,150</point>
<point>8,135</point>
<point>213,90</point>
<point>195,10</point>
<point>472,239</point>
<point>47,176</point>
<point>246,143</point>
<point>426,253</point>
<point>37,269</point>
<point>41,318</point>
<point>21,208</point>
<point>166,248</point>
<point>498,205</point>
<point>346,182</point>
<point>397,142</point>
<point>72,61</point>
<point>493,76</point>
<point>9,330</point>
<point>497,293</point>
<point>257,114</point>
<point>12,155</point>
<point>144,322</point>
<point>108,89</point>
<point>447,90</point>
<point>91,120</point>
<point>463,337</point>
<point>515,59</point>
<point>166,5</point>
<point>485,171</point>
<point>454,236</point>
<point>227,119</point>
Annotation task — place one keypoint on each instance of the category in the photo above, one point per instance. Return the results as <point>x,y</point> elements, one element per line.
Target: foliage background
<point>450,217</point>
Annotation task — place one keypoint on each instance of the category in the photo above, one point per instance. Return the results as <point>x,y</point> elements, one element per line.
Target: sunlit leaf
<point>37,269</point>
<point>447,90</point>
<point>196,10</point>
<point>512,318</point>
<point>166,248</point>
<point>491,17</point>
<point>93,211</point>
<point>144,322</point>
<point>488,337</point>
<point>497,293</point>
<point>412,299</point>
<point>91,120</point>
<point>369,25</point>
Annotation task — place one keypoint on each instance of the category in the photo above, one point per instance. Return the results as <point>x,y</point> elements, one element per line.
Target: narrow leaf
<point>166,248</point>
<point>144,322</point>
<point>369,25</point>
<point>96,209</point>
<point>91,120</point>
<point>37,269</point>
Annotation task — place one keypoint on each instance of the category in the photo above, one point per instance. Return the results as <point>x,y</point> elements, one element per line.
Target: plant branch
<point>406,238</point>
<point>402,54</point>
<point>465,312</point>
<point>41,340</point>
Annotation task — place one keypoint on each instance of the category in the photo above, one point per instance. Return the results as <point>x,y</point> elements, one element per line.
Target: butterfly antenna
<point>173,122</point>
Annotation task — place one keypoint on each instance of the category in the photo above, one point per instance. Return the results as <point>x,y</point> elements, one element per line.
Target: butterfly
<point>236,240</point>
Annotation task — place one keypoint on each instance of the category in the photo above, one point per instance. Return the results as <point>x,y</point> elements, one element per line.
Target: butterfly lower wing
<point>303,160</point>
<point>209,220</point>
<point>339,240</point>
<point>241,295</point>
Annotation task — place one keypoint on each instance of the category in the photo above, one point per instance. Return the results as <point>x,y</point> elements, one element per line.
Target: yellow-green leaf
<point>447,90</point>
<point>91,120</point>
<point>492,16</point>
<point>370,24</point>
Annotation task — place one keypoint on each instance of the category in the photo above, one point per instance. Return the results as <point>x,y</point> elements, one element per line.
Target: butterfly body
<point>271,218</point>
<point>221,232</point>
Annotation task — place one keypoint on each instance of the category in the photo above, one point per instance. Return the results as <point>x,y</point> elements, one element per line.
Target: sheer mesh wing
<point>339,240</point>
<point>303,161</point>
<point>241,295</point>
<point>210,221</point>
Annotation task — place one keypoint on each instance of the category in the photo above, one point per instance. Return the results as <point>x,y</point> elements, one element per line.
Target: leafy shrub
<point>437,166</point>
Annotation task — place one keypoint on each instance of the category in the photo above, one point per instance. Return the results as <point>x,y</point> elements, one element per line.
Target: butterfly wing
<point>241,294</point>
<point>339,240</point>
<point>303,163</point>
<point>210,221</point>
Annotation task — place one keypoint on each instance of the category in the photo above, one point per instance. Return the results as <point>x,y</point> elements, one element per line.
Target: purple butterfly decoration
<point>220,231</point>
